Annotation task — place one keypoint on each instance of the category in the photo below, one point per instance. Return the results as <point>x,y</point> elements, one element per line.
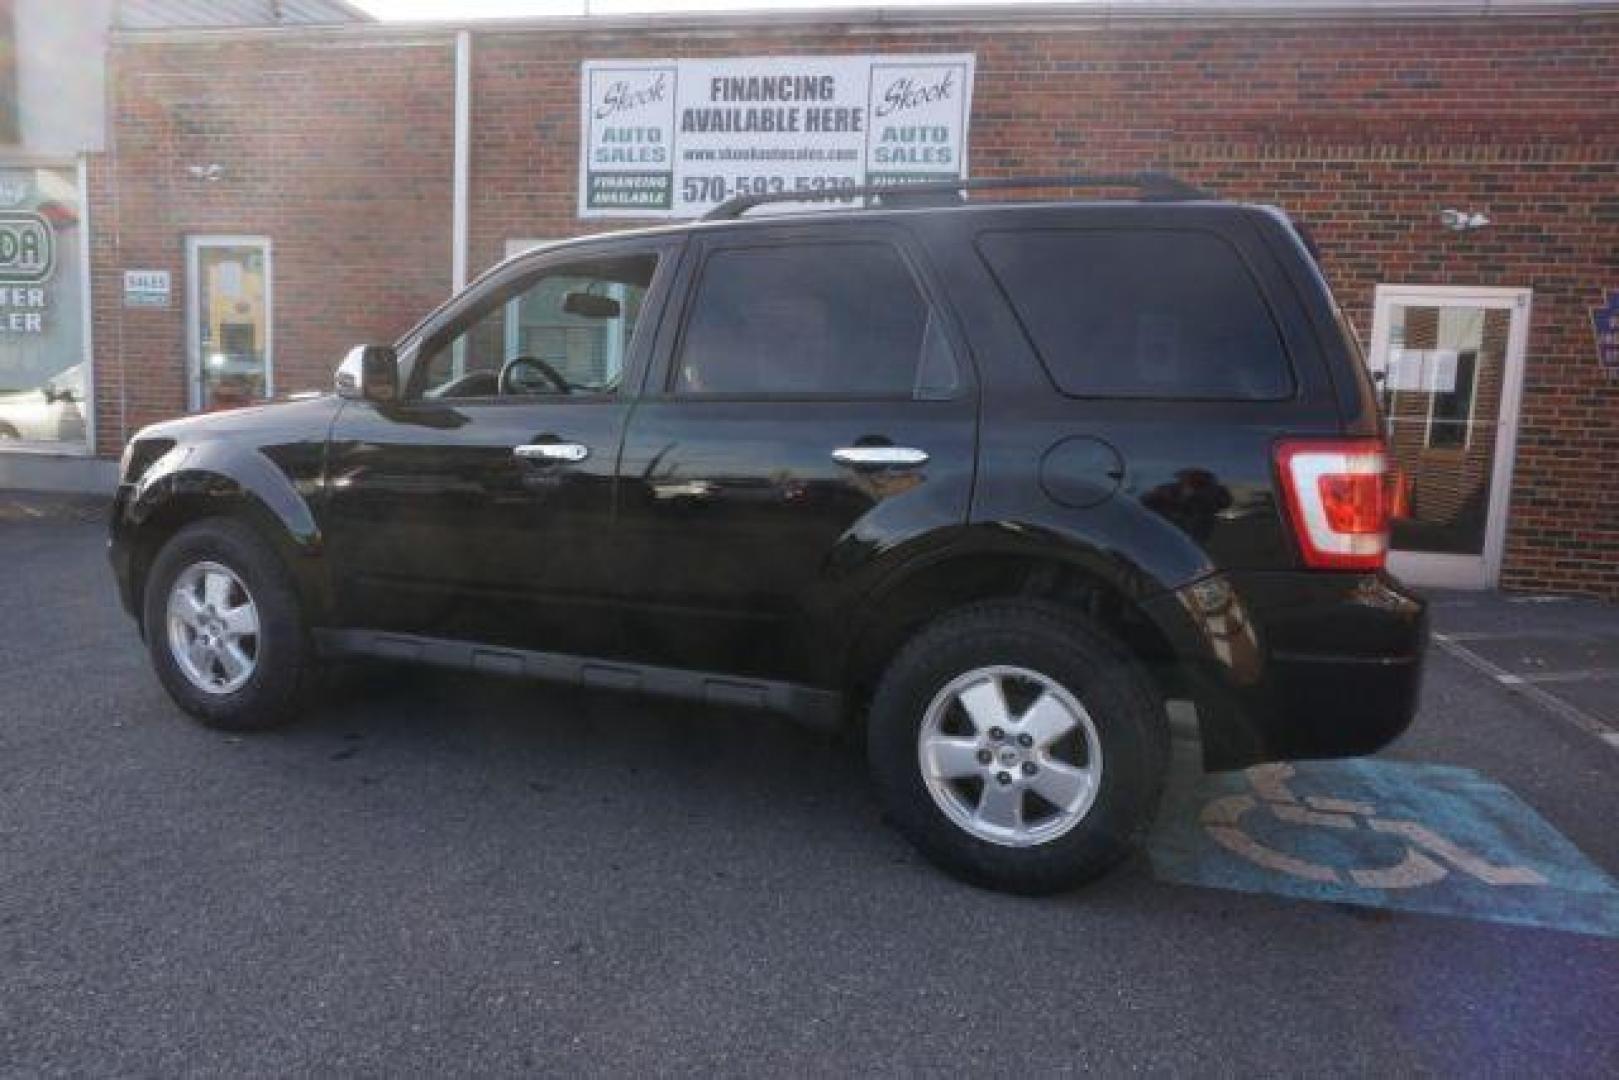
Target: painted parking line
<point>1486,636</point>
<point>1427,838</point>
<point>1582,675</point>
<point>1547,700</point>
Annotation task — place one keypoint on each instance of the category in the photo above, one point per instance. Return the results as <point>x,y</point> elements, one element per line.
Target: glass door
<point>228,321</point>
<point>1448,362</point>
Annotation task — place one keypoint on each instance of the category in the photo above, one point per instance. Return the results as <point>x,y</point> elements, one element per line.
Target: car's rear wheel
<point>1018,747</point>
<point>224,629</point>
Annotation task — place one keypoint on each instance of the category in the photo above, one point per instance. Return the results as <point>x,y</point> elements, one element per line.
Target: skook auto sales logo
<point>622,96</point>
<point>906,93</point>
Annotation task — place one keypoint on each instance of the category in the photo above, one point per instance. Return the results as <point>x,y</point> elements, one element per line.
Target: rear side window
<point>834,319</point>
<point>1148,314</point>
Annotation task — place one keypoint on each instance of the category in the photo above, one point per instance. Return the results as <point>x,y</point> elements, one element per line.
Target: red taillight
<point>1337,498</point>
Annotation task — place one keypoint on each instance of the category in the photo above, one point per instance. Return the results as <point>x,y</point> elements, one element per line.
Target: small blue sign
<point>1605,322</point>
<point>1427,838</point>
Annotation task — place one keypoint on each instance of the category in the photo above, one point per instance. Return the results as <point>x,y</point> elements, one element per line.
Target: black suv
<point>996,480</point>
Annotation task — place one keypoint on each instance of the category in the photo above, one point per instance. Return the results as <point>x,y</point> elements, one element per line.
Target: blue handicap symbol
<point>1428,838</point>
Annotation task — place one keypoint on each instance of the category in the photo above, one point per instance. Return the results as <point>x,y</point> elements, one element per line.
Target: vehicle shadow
<point>587,761</point>
<point>722,790</point>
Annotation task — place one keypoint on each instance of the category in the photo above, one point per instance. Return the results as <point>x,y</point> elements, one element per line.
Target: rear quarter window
<point>1170,313</point>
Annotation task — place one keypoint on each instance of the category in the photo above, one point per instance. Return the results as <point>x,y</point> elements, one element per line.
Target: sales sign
<point>146,288</point>
<point>675,138</point>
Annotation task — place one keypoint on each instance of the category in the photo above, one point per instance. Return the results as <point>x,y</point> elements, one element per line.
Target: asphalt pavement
<point>437,874</point>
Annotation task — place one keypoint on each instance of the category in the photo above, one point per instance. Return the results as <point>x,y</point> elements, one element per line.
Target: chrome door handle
<point>890,457</point>
<point>552,451</point>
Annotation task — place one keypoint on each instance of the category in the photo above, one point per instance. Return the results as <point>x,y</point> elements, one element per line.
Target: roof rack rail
<point>1152,185</point>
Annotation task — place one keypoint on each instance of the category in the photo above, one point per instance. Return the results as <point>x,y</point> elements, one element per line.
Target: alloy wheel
<point>213,627</point>
<point>1010,756</point>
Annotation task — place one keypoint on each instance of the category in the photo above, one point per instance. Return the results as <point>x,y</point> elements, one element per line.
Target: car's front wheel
<point>224,629</point>
<point>1018,747</point>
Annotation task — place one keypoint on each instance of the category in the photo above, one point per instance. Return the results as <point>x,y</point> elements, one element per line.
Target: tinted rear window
<point>1156,314</point>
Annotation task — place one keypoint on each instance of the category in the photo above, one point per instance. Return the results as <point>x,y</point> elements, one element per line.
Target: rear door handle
<point>880,457</point>
<point>556,451</point>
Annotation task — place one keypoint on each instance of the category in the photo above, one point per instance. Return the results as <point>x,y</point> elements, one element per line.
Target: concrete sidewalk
<point>1559,652</point>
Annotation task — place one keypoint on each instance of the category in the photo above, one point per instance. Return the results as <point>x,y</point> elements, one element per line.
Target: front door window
<point>565,332</point>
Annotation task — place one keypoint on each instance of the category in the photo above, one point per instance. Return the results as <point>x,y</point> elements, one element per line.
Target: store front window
<point>44,378</point>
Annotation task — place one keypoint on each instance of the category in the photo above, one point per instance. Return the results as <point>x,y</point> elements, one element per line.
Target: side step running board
<point>822,709</point>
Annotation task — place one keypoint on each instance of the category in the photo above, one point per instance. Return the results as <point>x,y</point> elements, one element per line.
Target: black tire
<point>1070,650</point>
<point>283,665</point>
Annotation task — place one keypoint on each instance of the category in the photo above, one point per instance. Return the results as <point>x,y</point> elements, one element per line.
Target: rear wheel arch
<point>908,602</point>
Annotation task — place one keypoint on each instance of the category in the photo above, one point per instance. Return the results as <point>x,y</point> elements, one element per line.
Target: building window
<point>44,375</point>
<point>10,110</point>
<point>1450,415</point>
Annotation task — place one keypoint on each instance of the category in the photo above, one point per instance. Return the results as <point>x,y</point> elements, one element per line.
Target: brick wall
<point>339,148</point>
<point>338,151</point>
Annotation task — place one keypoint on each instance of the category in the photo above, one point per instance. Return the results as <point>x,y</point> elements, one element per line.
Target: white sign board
<point>146,288</point>
<point>1429,370</point>
<point>675,138</point>
<point>1439,373</point>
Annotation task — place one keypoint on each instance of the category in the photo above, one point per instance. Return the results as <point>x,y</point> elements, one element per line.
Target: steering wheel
<point>515,379</point>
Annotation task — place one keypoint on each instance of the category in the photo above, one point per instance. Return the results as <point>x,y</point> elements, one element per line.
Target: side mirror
<point>591,306</point>
<point>369,373</point>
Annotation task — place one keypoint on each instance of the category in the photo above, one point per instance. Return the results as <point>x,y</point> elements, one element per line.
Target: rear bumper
<point>1300,664</point>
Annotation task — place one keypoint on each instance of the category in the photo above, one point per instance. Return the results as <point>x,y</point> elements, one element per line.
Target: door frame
<point>194,244</point>
<point>1481,571</point>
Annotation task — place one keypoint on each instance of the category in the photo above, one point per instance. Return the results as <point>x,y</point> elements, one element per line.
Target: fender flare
<point>208,479</point>
<point>1153,591</point>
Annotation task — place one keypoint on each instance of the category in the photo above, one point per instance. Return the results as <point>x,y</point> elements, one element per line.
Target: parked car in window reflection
<point>53,411</point>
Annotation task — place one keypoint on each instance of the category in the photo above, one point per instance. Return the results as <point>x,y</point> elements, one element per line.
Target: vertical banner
<point>919,117</point>
<point>627,166</point>
<point>675,138</point>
